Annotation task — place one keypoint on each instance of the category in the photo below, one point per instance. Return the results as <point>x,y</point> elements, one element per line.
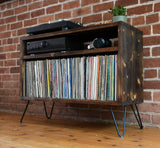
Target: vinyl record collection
<point>89,78</point>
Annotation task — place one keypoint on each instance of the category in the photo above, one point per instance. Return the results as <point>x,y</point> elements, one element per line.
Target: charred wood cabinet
<point>127,45</point>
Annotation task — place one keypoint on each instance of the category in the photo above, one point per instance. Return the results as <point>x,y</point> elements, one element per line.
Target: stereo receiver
<point>53,45</point>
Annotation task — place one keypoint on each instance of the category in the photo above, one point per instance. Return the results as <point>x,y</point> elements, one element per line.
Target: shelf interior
<point>86,52</point>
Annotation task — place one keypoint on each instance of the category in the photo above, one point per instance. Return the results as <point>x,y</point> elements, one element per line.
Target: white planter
<point>119,18</point>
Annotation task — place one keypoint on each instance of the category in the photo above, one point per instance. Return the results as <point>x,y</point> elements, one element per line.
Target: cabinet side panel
<point>139,67</point>
<point>22,70</point>
<point>131,64</point>
<point>120,65</point>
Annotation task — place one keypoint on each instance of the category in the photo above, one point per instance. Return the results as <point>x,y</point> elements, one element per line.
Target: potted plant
<point>119,14</point>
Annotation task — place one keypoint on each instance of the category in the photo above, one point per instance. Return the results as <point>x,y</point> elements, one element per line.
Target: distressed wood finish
<point>22,67</point>
<point>129,51</point>
<point>61,100</point>
<point>130,80</point>
<point>71,53</point>
<point>85,33</point>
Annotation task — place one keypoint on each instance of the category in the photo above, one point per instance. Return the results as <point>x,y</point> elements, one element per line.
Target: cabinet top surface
<point>112,27</point>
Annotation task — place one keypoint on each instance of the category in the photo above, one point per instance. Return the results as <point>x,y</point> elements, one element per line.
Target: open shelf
<point>84,32</point>
<point>61,100</point>
<point>71,53</point>
<point>75,101</point>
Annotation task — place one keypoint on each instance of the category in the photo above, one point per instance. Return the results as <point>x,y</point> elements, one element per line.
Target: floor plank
<point>38,132</point>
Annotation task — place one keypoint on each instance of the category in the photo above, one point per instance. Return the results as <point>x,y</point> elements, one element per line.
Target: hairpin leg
<point>124,121</point>
<point>48,117</point>
<point>138,118</point>
<point>24,111</point>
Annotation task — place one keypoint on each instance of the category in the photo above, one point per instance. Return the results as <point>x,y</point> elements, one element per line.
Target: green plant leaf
<point>120,10</point>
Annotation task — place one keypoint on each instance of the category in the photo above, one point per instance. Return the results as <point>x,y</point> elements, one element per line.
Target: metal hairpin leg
<point>138,118</point>
<point>48,117</point>
<point>24,111</point>
<point>124,121</point>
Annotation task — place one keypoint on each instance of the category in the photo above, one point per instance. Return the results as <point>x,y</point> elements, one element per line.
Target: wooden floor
<point>38,132</point>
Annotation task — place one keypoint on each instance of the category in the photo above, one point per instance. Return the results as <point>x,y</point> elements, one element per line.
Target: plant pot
<point>119,18</point>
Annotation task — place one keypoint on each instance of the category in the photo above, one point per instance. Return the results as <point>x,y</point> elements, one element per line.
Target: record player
<point>52,44</point>
<point>51,27</point>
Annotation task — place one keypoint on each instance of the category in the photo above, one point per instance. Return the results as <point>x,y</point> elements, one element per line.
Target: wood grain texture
<point>71,53</point>
<point>75,101</point>
<point>130,55</point>
<point>89,32</point>
<point>38,132</point>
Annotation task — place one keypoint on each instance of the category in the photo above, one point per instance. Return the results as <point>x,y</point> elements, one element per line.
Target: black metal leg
<point>48,117</point>
<point>138,118</point>
<point>24,111</point>
<point>124,122</point>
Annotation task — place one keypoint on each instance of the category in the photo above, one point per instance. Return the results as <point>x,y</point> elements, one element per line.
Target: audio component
<point>99,43</point>
<point>51,27</point>
<point>52,45</point>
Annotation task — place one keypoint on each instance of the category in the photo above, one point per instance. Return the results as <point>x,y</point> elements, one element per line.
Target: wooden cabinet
<point>128,48</point>
<point>127,44</point>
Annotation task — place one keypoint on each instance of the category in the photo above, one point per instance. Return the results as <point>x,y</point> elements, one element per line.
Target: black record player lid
<point>50,27</point>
